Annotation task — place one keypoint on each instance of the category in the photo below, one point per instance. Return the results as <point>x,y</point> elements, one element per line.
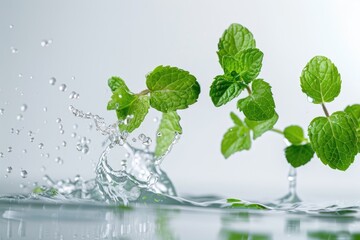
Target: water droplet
<point>45,121</point>
<point>45,43</point>
<point>22,185</point>
<point>156,119</point>
<point>64,144</point>
<point>61,126</point>
<point>1,154</point>
<point>23,107</point>
<point>20,75</point>
<point>47,155</point>
<point>61,162</point>
<point>310,99</point>
<point>73,135</point>
<point>12,130</point>
<point>52,81</point>
<point>85,149</point>
<point>134,139</point>
<point>2,111</point>
<point>5,176</point>
<point>23,173</point>
<point>19,117</point>
<point>17,131</point>
<point>32,139</point>
<point>142,137</point>
<point>75,126</point>
<point>43,169</point>
<point>45,109</point>
<point>57,159</point>
<point>57,147</point>
<point>8,169</point>
<point>159,134</point>
<point>14,50</point>
<point>62,131</point>
<point>41,145</point>
<point>127,155</point>
<point>31,77</point>
<point>30,133</point>
<point>11,26</point>
<point>63,87</point>
<point>9,149</point>
<point>79,147</point>
<point>147,141</point>
<point>58,120</point>
<point>41,154</point>
<point>24,151</point>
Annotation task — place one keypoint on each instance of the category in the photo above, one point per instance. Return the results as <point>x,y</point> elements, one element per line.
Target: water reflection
<point>24,219</point>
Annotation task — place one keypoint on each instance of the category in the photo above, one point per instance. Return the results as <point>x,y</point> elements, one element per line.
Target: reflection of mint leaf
<point>334,139</point>
<point>169,126</point>
<point>320,80</point>
<point>260,127</point>
<point>246,63</point>
<point>298,155</point>
<point>236,138</point>
<point>224,89</point>
<point>116,83</point>
<point>235,39</point>
<point>294,134</point>
<point>137,110</point>
<point>172,88</point>
<point>259,105</point>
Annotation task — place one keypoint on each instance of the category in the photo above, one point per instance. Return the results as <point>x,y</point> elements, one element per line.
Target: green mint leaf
<point>320,80</point>
<point>294,134</point>
<point>259,105</point>
<point>334,139</point>
<point>138,109</point>
<point>121,99</point>
<point>260,127</point>
<point>246,63</point>
<point>168,128</point>
<point>235,39</point>
<point>172,88</point>
<point>237,121</point>
<point>236,138</point>
<point>298,155</point>
<point>224,89</point>
<point>116,82</point>
<point>354,112</point>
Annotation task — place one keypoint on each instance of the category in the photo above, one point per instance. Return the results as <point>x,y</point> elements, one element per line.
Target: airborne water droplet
<point>45,109</point>
<point>23,173</point>
<point>8,169</point>
<point>23,107</point>
<point>11,26</point>
<point>52,81</point>
<point>2,111</point>
<point>19,117</point>
<point>41,145</point>
<point>45,43</point>
<point>9,149</point>
<point>64,144</point>
<point>62,131</point>
<point>63,87</point>
<point>58,120</point>
<point>14,50</point>
<point>310,99</point>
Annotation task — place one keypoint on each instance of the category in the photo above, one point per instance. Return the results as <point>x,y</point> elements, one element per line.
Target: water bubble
<point>64,144</point>
<point>62,131</point>
<point>9,149</point>
<point>41,145</point>
<point>2,111</point>
<point>52,81</point>
<point>58,120</point>
<point>14,50</point>
<point>23,107</point>
<point>63,87</point>
<point>8,169</point>
<point>23,173</point>
<point>45,109</point>
<point>45,43</point>
<point>19,117</point>
<point>75,126</point>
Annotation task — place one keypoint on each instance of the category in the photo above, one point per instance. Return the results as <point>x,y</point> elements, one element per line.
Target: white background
<point>93,40</point>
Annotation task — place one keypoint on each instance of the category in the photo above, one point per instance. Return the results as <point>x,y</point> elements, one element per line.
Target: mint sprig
<point>169,89</point>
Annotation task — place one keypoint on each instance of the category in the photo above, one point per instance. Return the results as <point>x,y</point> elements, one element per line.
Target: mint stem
<point>248,89</point>
<point>277,131</point>
<point>144,92</point>
<point>325,110</point>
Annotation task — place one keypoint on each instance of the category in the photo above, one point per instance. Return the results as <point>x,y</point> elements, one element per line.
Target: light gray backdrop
<point>93,40</point>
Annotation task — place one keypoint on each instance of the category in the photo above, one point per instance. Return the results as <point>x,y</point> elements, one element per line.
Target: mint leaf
<point>259,105</point>
<point>224,89</point>
<point>138,109</point>
<point>236,119</point>
<point>294,134</point>
<point>334,139</point>
<point>168,128</point>
<point>260,127</point>
<point>354,111</point>
<point>236,138</point>
<point>116,83</point>
<point>172,88</point>
<point>320,80</point>
<point>121,99</point>
<point>246,63</point>
<point>298,155</point>
<point>235,39</point>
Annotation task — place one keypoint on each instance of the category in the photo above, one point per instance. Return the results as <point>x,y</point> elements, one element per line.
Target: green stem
<point>144,92</point>
<point>325,110</point>
<point>248,89</point>
<point>277,131</point>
